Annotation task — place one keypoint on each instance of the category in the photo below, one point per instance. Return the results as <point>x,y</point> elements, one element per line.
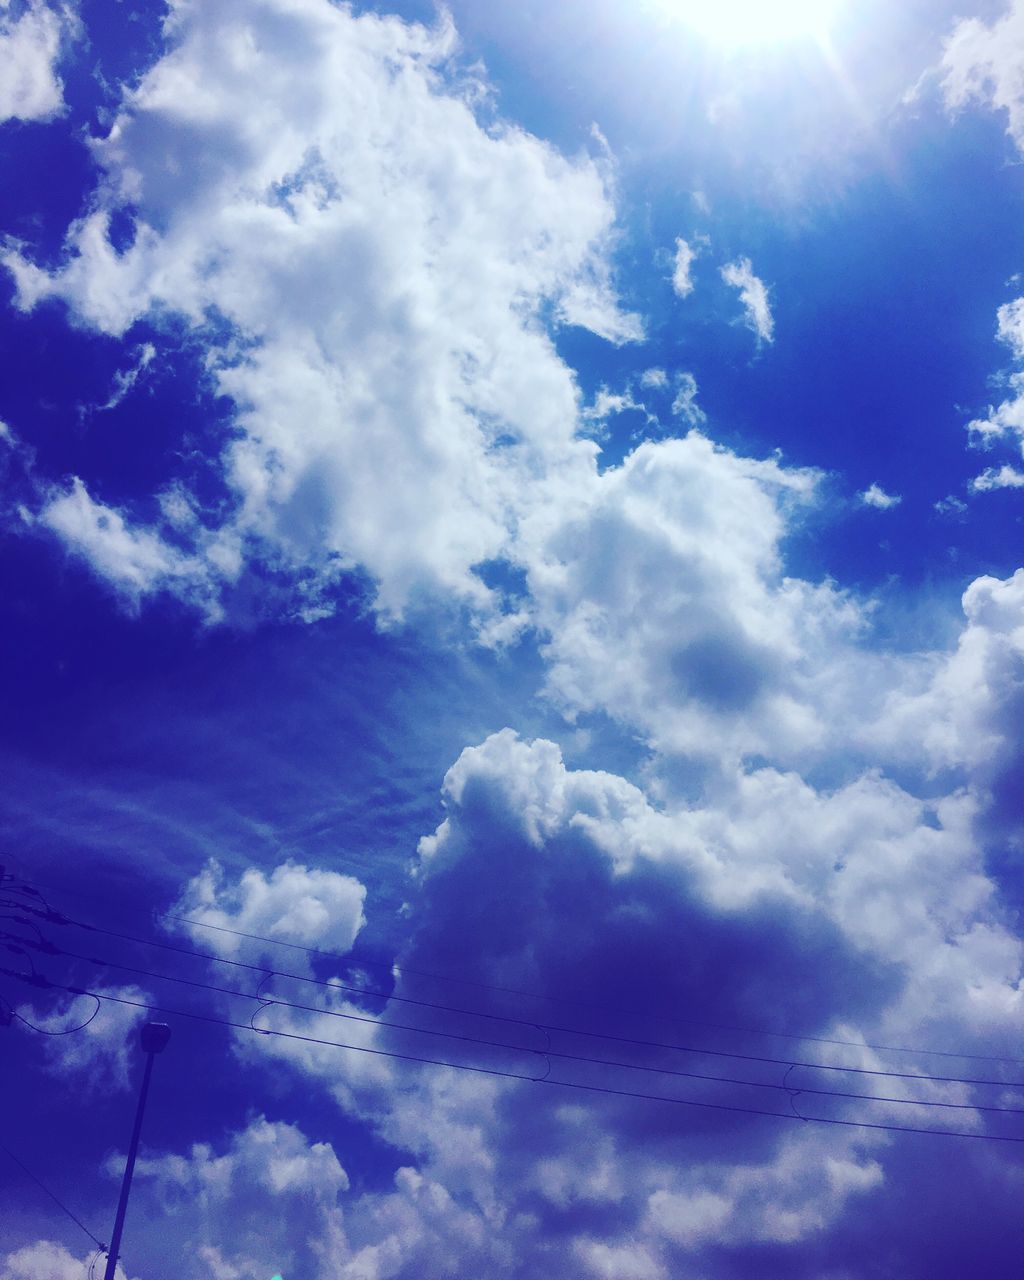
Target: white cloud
<point>46,1260</point>
<point>800,1192</point>
<point>103,1053</point>
<point>607,404</point>
<point>682,281</point>
<point>308,907</point>
<point>875,496</point>
<point>662,599</point>
<point>1004,477</point>
<point>985,63</point>
<point>899,880</point>
<point>654,378</point>
<point>314,908</point>
<point>902,879</point>
<point>135,560</point>
<point>1010,323</point>
<point>1007,418</point>
<point>951,506</point>
<point>754,296</point>
<point>29,49</point>
<point>630,1261</point>
<point>958,709</point>
<point>125,379</point>
<point>268,1203</point>
<point>877,902</point>
<point>685,404</point>
<point>386,259</point>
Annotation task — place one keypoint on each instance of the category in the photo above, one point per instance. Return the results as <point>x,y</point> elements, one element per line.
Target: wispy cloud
<point>875,496</point>
<point>682,279</point>
<point>754,296</point>
<point>125,379</point>
<point>685,404</point>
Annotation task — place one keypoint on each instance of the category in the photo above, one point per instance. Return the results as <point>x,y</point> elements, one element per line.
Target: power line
<point>358,958</point>
<point>355,957</point>
<point>548,1052</point>
<point>67,1030</point>
<point>335,985</point>
<point>562,1084</point>
<point>60,1204</point>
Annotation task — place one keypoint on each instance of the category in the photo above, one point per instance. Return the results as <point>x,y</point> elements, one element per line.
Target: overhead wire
<point>266,1003</point>
<point>336,985</point>
<point>356,958</point>
<point>547,1053</point>
<point>60,1204</point>
<point>67,1031</point>
<point>546,1080</point>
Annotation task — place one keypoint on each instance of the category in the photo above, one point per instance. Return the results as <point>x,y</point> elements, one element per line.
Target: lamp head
<point>155,1036</point>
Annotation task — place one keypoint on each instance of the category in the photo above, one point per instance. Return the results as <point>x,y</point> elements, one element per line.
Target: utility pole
<point>154,1040</point>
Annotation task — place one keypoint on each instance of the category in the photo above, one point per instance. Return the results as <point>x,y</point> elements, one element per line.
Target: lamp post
<point>154,1040</point>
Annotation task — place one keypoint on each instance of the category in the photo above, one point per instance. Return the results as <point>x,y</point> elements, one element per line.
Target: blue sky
<point>510,587</point>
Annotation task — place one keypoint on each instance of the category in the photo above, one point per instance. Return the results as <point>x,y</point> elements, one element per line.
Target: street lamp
<point>154,1039</point>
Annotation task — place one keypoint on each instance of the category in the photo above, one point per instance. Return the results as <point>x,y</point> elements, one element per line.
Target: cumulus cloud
<point>104,1052</point>
<point>960,708</point>
<point>982,62</point>
<point>1010,325</point>
<point>754,296</point>
<point>783,1202</point>
<point>380,260</point>
<point>509,1176</point>
<point>1004,477</point>
<point>266,1203</point>
<point>901,879</point>
<point>30,88</point>
<point>1005,420</point>
<point>46,1260</point>
<point>875,496</point>
<point>857,913</point>
<point>888,891</point>
<point>663,601</point>
<point>319,909</point>
<point>303,907</point>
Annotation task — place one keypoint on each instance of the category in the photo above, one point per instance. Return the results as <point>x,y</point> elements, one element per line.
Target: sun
<point>736,23</point>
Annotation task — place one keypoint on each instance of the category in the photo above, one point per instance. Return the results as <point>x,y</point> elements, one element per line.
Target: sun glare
<point>754,22</point>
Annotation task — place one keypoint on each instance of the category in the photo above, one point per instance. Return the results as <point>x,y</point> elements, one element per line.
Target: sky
<point>512,638</point>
